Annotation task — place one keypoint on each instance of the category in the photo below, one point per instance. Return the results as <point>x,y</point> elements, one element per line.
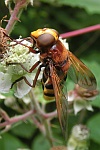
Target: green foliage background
<point>64,16</point>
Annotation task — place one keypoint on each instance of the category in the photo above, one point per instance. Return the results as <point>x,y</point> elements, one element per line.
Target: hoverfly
<point>57,62</point>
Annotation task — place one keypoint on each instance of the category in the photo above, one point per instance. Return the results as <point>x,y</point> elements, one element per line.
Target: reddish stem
<point>80,31</point>
<point>15,15</point>
<point>4,114</point>
<point>50,115</point>
<point>17,118</point>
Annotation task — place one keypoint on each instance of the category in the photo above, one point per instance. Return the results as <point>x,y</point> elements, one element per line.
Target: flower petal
<point>81,104</point>
<point>22,88</point>
<point>5,82</point>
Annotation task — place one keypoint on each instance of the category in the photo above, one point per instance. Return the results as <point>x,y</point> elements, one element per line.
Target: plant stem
<point>4,115</point>
<point>36,105</point>
<point>82,116</point>
<point>50,115</point>
<point>19,6</point>
<point>39,125</point>
<point>80,31</point>
<point>48,131</point>
<point>16,119</point>
<point>42,117</point>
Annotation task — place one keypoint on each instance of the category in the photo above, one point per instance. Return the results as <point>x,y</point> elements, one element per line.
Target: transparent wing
<point>80,74</point>
<point>61,100</point>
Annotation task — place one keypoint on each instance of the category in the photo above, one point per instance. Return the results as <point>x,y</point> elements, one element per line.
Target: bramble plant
<point>28,102</point>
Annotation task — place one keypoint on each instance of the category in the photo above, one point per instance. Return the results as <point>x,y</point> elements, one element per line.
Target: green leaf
<point>9,142</point>
<point>93,56</point>
<point>96,102</point>
<point>94,126</point>
<point>40,143</point>
<point>25,130</point>
<point>94,146</point>
<point>91,6</point>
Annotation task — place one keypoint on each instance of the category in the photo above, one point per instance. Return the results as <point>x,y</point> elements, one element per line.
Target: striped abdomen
<point>47,85</point>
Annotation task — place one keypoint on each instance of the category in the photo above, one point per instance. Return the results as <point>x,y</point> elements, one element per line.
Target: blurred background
<point>64,16</point>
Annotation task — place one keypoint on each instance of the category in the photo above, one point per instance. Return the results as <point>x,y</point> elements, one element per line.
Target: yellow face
<point>37,33</point>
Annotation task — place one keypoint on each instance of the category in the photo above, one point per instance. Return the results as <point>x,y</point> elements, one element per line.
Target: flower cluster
<point>81,98</point>
<point>79,139</point>
<point>10,69</point>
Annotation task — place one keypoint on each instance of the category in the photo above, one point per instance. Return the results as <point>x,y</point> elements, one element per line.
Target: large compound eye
<point>45,39</point>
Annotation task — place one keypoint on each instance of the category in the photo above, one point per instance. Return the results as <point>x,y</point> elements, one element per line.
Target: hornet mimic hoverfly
<point>58,62</point>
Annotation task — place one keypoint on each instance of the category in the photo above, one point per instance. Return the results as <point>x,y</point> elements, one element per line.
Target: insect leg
<point>35,79</point>
<point>32,68</point>
<point>37,74</point>
<point>25,79</point>
<point>21,78</point>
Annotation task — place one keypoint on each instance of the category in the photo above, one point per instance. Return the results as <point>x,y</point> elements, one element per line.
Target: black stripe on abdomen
<point>47,87</point>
